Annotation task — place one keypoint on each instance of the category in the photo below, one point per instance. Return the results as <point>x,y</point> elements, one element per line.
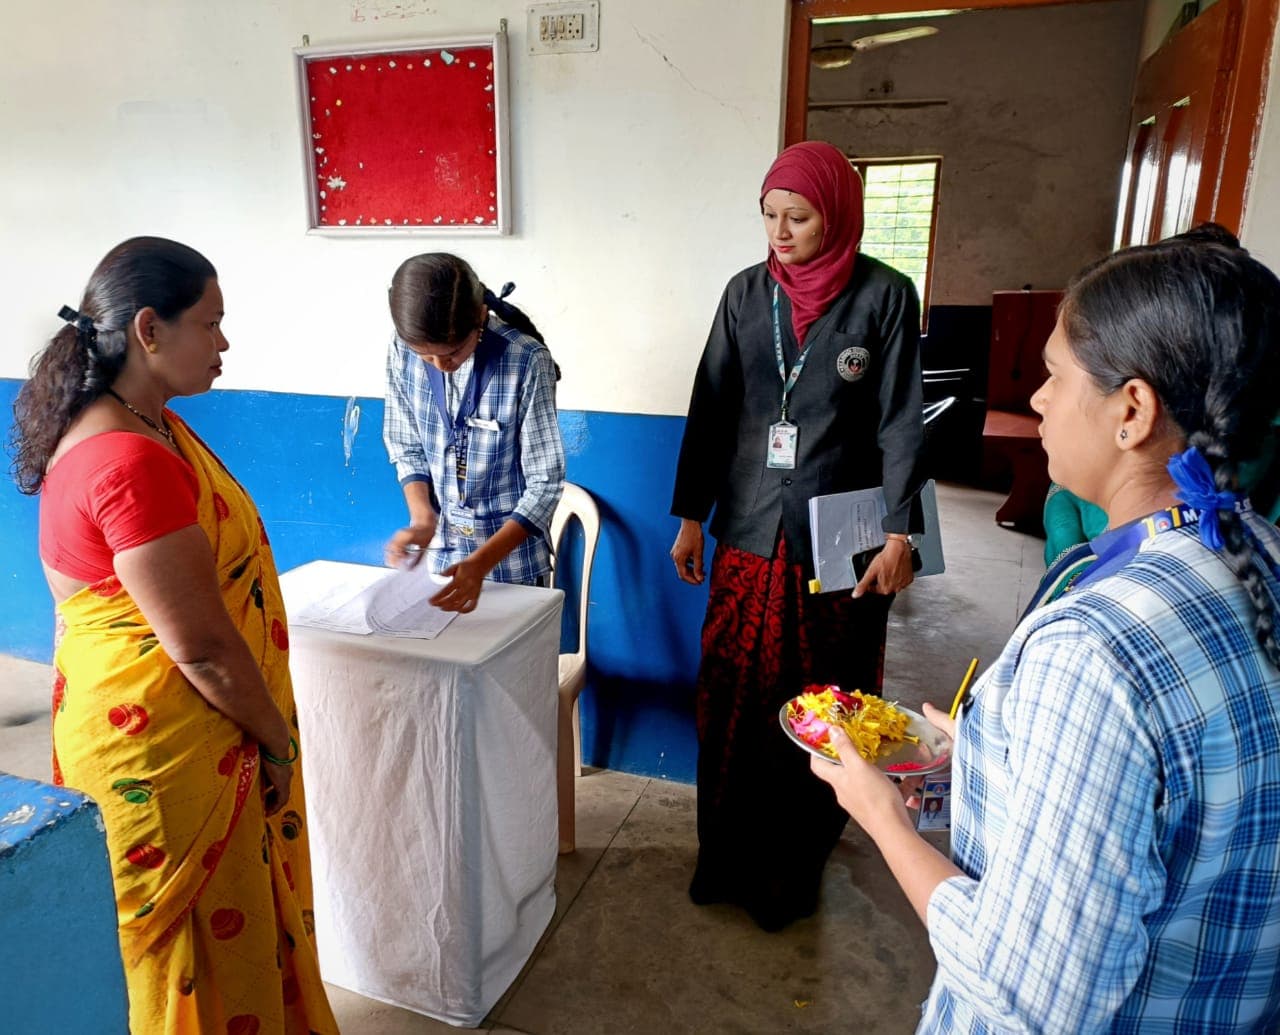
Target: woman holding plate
<point>1116,827</point>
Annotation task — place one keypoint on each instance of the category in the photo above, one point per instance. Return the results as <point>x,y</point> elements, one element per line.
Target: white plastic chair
<point>576,502</point>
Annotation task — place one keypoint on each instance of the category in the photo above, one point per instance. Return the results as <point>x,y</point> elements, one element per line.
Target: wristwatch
<point>911,539</point>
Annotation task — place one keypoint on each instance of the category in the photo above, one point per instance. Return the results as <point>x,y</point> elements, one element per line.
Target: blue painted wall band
<point>326,490</point>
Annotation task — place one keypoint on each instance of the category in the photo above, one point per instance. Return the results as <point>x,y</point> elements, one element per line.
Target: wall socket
<point>556,28</point>
<point>564,28</point>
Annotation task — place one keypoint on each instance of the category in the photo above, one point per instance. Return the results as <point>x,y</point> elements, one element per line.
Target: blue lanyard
<point>487,353</point>
<point>788,380</point>
<point>1116,547</point>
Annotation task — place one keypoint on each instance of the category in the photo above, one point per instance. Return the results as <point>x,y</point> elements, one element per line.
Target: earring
<point>1123,433</point>
<point>151,347</point>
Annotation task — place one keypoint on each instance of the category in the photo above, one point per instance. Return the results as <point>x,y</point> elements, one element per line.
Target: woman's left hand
<point>870,797</point>
<point>889,571</point>
<point>276,782</point>
<point>463,593</point>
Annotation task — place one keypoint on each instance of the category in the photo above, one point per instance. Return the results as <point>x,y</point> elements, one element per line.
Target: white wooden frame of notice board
<point>440,168</point>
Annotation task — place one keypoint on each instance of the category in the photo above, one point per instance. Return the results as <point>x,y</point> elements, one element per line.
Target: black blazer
<point>857,429</point>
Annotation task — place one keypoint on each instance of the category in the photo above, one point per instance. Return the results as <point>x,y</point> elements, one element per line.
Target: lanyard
<point>487,353</point>
<point>1105,554</point>
<point>1116,547</point>
<point>788,380</point>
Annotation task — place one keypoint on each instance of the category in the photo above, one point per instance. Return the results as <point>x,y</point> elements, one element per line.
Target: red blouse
<point>111,492</point>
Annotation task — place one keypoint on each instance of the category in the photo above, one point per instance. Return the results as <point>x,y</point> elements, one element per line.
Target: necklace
<point>160,429</point>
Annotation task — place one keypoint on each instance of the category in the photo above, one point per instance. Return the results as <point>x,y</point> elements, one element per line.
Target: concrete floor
<point>627,952</point>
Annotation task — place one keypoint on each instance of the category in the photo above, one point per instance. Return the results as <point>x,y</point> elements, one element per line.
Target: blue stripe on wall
<point>288,451</point>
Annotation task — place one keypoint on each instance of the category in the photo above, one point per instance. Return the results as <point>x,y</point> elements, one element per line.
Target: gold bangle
<point>293,747</point>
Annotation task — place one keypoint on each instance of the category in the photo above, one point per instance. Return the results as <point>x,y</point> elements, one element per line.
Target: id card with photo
<point>783,437</point>
<point>935,804</point>
<point>462,520</point>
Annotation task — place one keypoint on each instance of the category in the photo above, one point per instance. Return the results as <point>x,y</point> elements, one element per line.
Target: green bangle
<point>293,746</point>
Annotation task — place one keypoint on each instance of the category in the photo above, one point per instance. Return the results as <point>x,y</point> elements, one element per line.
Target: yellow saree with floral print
<point>214,898</point>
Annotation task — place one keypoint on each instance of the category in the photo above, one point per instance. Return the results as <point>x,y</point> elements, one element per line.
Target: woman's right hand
<point>687,551</point>
<point>175,583</point>
<point>276,781</point>
<point>869,795</point>
<point>409,545</point>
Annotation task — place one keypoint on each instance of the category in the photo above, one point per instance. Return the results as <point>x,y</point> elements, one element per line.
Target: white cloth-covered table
<point>430,782</point>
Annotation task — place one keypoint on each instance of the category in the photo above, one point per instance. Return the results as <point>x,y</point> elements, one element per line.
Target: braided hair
<point>1198,319</point>
<point>85,357</point>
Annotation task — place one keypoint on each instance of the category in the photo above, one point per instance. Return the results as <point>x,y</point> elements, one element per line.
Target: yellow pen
<point>964,688</point>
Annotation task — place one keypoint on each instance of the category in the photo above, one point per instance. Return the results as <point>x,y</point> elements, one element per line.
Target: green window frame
<point>900,206</point>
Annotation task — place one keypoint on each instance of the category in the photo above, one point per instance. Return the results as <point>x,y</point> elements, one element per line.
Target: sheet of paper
<point>399,606</point>
<point>383,602</point>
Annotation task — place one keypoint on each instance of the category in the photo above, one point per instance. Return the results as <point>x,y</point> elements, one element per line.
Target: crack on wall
<point>648,42</point>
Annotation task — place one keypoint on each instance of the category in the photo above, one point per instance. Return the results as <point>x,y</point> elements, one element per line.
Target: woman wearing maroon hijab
<point>809,384</point>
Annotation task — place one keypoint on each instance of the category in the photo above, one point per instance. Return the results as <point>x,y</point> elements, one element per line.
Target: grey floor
<point>626,951</point>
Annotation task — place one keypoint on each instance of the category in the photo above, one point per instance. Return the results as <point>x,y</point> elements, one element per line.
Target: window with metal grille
<point>901,210</point>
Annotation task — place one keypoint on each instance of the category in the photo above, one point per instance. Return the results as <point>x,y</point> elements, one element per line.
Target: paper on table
<point>394,603</point>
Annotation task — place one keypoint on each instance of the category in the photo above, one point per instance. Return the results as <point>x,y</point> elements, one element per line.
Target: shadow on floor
<point>627,952</point>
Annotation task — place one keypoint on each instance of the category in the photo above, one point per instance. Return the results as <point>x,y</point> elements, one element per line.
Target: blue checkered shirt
<point>513,472</point>
<point>1117,814</point>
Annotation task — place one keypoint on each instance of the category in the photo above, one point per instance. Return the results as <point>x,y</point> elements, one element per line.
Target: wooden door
<point>1174,162</point>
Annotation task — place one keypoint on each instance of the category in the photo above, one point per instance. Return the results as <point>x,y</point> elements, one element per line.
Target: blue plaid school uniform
<point>513,455</point>
<point>1117,812</point>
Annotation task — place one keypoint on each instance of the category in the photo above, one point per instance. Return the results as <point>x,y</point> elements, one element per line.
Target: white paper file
<point>377,601</point>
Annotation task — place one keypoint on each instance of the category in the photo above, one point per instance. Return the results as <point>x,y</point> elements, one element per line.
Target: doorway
<point>1246,90</point>
<point>1053,207</point>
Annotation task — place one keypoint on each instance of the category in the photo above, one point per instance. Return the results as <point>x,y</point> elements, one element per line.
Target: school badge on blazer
<point>852,363</point>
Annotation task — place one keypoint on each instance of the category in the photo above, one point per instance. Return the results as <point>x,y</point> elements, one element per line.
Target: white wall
<point>634,178</point>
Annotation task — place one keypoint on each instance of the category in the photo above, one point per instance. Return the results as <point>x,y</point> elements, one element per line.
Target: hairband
<point>1196,488</point>
<point>83,324</point>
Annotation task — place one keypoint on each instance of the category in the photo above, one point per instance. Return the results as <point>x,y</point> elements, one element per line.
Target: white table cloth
<point>429,768</point>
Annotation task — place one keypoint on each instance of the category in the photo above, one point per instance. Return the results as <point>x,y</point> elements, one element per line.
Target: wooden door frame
<point>1244,108</point>
<point>1244,111</point>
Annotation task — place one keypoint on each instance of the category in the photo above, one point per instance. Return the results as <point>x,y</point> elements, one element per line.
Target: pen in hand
<point>410,555</point>
<point>964,688</point>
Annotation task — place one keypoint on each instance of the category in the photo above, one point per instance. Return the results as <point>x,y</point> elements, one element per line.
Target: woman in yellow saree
<point>172,704</point>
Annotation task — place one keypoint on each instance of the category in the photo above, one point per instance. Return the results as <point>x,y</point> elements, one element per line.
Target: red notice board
<point>406,138</point>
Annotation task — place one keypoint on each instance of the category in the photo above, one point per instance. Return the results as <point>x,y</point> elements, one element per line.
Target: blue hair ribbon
<point>1196,488</point>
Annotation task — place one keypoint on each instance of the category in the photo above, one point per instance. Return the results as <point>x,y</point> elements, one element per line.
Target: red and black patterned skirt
<point>766,824</point>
